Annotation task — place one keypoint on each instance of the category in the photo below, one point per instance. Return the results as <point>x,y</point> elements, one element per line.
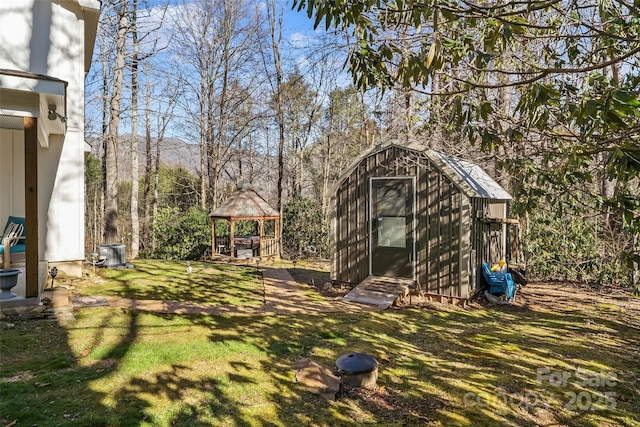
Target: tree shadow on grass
<point>58,392</point>
<point>442,367</point>
<point>454,367</point>
<point>208,283</point>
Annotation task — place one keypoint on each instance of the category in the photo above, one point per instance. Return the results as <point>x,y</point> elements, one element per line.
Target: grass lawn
<point>208,283</point>
<point>543,362</point>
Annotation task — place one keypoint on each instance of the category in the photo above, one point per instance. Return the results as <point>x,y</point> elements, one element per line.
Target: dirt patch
<point>386,403</point>
<point>21,377</point>
<point>317,278</point>
<point>563,296</point>
<point>332,291</point>
<point>104,364</point>
<point>610,303</point>
<point>554,297</point>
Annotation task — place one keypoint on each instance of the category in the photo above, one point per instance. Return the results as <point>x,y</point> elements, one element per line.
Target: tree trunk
<point>326,167</point>
<point>146,201</point>
<point>212,154</point>
<point>103,155</point>
<point>156,179</point>
<point>222,104</point>
<point>111,171</point>
<point>203,152</point>
<point>276,37</point>
<point>274,21</point>
<point>135,221</point>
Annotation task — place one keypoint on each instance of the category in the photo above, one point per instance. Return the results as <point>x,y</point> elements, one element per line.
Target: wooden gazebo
<point>246,205</point>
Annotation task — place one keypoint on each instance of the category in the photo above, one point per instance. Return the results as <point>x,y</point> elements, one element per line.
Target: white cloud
<point>299,40</point>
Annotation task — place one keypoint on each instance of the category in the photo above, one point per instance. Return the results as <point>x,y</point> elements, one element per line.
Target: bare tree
<point>274,24</point>
<point>148,161</point>
<point>110,155</point>
<point>344,136</point>
<point>136,58</point>
<point>135,222</point>
<point>165,106</point>
<point>217,43</point>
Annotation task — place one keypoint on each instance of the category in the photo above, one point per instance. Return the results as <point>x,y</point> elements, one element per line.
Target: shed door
<point>392,227</point>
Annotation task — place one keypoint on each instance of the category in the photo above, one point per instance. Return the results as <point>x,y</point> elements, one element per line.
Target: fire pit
<point>357,370</point>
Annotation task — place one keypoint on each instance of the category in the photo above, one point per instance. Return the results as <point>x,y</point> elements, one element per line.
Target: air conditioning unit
<point>115,255</point>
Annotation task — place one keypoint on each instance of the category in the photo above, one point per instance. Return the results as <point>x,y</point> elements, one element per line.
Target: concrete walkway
<point>282,295</point>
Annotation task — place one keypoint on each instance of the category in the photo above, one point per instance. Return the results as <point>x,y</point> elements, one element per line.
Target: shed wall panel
<point>466,261</point>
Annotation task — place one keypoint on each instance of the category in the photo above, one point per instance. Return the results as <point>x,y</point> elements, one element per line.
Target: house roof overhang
<point>91,12</point>
<point>26,94</point>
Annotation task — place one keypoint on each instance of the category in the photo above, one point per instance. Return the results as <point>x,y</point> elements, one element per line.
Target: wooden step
<point>379,291</point>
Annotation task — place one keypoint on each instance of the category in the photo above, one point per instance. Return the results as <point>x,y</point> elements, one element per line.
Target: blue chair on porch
<point>499,282</point>
<point>12,247</point>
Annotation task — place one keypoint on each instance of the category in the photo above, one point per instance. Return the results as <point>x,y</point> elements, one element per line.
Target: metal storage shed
<point>408,212</point>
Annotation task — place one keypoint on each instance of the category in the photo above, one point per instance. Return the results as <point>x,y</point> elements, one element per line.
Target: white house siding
<point>51,44</point>
<point>61,196</point>
<point>11,178</point>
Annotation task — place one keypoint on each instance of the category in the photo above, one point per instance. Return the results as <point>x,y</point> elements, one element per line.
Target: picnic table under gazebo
<point>246,205</point>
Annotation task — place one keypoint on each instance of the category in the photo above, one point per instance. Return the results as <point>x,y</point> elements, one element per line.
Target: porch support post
<point>31,204</point>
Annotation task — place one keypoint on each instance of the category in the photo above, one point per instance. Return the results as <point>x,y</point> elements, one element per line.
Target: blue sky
<point>296,22</point>
<point>298,35</point>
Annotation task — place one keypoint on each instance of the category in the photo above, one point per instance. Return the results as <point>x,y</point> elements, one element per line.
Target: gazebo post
<point>277,232</point>
<point>213,237</point>
<point>232,240</point>
<point>261,234</point>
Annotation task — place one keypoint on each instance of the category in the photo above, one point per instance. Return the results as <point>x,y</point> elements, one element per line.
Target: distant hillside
<point>173,152</point>
<point>177,152</point>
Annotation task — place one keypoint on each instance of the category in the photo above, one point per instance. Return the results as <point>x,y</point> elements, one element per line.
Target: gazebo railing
<point>268,246</point>
<point>247,246</point>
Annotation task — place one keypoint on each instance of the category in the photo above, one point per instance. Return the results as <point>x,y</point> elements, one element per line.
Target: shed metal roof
<point>480,182</point>
<point>469,177</point>
<point>245,203</point>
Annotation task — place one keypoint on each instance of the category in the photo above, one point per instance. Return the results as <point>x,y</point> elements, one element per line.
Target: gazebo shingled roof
<point>245,204</point>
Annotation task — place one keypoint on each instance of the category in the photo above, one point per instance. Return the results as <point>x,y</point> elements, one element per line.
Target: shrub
<point>181,235</point>
<point>304,230</point>
<point>577,247</point>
